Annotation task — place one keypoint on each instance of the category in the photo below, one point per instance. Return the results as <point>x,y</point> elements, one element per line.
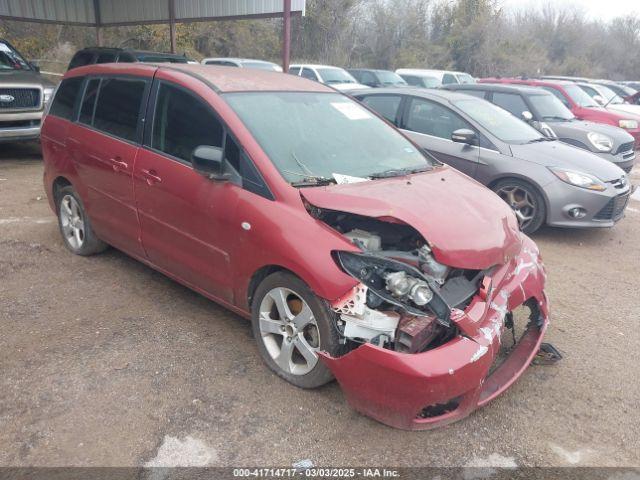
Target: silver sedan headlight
<point>600,142</point>
<point>579,179</point>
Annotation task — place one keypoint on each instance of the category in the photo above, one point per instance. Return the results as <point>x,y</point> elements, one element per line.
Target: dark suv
<point>91,55</point>
<point>24,95</point>
<point>543,111</point>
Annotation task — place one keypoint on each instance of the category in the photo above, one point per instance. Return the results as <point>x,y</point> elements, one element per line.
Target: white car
<point>243,63</point>
<point>335,77</point>
<point>606,97</point>
<point>416,76</point>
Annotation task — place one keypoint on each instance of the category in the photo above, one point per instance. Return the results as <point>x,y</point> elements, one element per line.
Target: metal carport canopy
<point>110,13</point>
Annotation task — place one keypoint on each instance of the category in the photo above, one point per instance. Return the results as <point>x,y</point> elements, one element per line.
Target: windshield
<point>548,107</point>
<point>498,122</point>
<point>271,67</point>
<point>430,82</point>
<point>316,135</point>
<point>335,75</point>
<point>11,60</point>
<point>466,78</point>
<point>390,78</point>
<point>610,97</point>
<point>579,96</point>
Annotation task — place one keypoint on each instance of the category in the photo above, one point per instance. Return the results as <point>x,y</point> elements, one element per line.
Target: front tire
<point>75,226</point>
<point>290,325</point>
<point>526,202</point>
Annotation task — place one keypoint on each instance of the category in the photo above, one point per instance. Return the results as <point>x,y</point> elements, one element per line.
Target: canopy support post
<point>286,36</point>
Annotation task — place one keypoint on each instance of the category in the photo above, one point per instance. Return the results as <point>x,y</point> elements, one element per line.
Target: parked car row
<point>349,223</point>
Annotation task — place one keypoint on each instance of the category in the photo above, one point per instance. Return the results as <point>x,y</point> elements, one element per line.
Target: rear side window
<point>183,122</point>
<point>385,105</point>
<point>89,101</point>
<point>511,102</point>
<point>118,108</point>
<point>64,102</point>
<point>81,59</point>
<point>294,70</point>
<point>126,58</point>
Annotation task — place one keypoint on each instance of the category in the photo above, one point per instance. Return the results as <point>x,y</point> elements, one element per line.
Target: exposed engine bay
<point>405,296</point>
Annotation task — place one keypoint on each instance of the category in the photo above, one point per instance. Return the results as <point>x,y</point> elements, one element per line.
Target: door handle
<point>118,165</point>
<point>151,176</point>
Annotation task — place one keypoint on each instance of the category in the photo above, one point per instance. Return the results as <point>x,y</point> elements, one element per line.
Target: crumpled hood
<point>466,225</point>
<point>558,154</point>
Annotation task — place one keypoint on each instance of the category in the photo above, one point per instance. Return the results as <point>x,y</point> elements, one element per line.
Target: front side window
<point>183,122</point>
<point>294,71</point>
<point>65,99</point>
<point>431,118</point>
<point>368,78</point>
<point>511,102</point>
<point>465,78</point>
<point>558,95</point>
<point>309,134</point>
<point>385,105</point>
<point>498,122</point>
<point>119,106</point>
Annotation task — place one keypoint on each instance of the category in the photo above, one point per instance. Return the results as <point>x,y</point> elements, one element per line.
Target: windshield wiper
<point>556,117</point>
<point>540,139</point>
<point>400,172</point>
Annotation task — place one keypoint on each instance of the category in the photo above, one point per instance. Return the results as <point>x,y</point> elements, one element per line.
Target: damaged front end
<point>425,337</point>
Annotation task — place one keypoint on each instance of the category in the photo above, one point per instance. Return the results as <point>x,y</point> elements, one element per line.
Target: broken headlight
<point>396,283</point>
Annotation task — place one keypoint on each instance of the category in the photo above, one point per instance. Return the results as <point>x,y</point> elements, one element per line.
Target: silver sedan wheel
<point>72,222</point>
<point>289,331</point>
<point>522,203</point>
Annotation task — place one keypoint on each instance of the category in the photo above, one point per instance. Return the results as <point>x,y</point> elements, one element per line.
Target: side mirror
<point>464,135</point>
<point>527,116</point>
<point>599,99</point>
<point>208,161</point>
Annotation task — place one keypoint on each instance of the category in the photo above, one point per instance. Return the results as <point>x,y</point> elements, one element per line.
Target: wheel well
<point>259,276</point>
<point>528,182</point>
<point>58,184</point>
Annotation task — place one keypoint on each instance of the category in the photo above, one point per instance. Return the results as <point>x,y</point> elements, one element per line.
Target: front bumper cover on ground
<point>453,379</point>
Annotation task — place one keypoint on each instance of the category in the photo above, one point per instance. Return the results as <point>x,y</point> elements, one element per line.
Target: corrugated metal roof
<point>139,11</point>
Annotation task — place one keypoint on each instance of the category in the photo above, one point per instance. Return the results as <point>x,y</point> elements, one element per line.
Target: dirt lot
<point>105,362</point>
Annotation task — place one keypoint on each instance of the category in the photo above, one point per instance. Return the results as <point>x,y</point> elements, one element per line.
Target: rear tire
<point>290,325</point>
<point>526,202</point>
<point>75,226</point>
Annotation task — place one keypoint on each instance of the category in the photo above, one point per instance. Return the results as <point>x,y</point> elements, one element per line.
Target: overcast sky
<point>596,9</point>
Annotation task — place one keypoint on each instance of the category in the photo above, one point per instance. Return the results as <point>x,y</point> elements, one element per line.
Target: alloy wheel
<point>521,201</point>
<point>289,331</point>
<point>72,222</point>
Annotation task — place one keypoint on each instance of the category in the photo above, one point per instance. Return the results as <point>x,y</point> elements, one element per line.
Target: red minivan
<point>353,253</point>
<point>580,104</point>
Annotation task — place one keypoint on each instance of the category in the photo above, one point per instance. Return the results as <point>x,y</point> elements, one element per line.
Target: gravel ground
<point>105,362</point>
